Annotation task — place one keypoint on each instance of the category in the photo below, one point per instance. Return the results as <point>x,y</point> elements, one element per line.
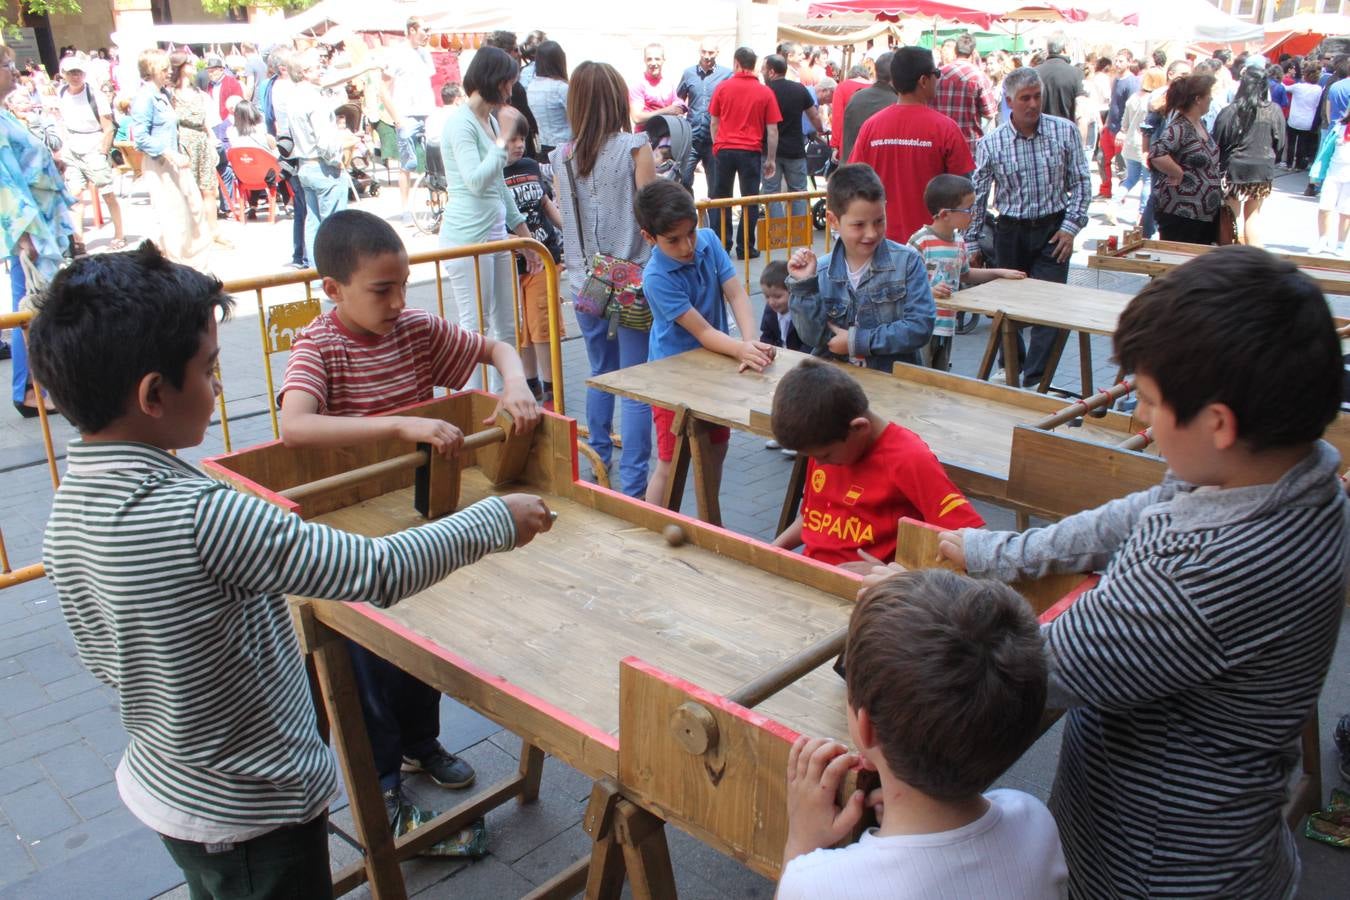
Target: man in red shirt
<point>856,81</point>
<point>965,93</point>
<point>910,143</point>
<point>745,119</point>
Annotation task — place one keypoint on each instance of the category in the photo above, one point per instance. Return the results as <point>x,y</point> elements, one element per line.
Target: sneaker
<point>5,352</point>
<point>293,265</point>
<point>404,815</point>
<point>442,767</point>
<point>790,454</point>
<point>771,444</point>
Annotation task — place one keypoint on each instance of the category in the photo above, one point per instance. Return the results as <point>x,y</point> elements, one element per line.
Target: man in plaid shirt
<point>965,94</point>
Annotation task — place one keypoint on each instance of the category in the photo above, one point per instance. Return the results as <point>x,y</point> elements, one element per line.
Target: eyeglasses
<point>969,210</point>
<point>936,73</point>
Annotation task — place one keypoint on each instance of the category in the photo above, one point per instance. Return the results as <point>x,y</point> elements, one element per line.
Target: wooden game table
<point>984,434</point>
<point>573,642</point>
<point>1154,258</point>
<point>1013,304</point>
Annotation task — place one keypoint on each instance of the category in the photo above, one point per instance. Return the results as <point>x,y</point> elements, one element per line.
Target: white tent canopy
<point>1184,20</point>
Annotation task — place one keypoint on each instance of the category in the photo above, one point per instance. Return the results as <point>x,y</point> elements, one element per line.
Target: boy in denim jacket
<point>872,304</point>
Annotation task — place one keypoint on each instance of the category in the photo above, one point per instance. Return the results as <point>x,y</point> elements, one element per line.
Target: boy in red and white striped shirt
<point>368,355</point>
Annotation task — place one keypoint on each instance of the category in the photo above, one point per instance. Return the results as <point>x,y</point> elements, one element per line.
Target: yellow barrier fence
<point>785,232</point>
<point>10,576</point>
<point>278,323</point>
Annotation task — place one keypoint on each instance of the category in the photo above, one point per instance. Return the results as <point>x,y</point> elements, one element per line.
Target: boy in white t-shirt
<point>946,686</point>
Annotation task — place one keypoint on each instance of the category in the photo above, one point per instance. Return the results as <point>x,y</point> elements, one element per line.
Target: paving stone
<point>37,811</point>
<point>60,711</point>
<point>462,727</point>
<point>75,768</point>
<point>553,856</point>
<point>20,693</point>
<point>15,862</point>
<point>48,666</point>
<point>19,774</point>
<point>74,684</point>
<point>484,878</point>
<point>135,864</point>
<point>97,801</point>
<point>35,742</point>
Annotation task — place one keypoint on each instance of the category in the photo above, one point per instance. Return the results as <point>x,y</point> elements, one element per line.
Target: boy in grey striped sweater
<point>1190,670</point>
<point>174,585</point>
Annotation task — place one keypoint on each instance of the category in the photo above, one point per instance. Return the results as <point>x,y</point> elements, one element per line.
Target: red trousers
<point>1109,150</point>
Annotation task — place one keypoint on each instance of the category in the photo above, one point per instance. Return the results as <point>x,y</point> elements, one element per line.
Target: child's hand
<point>533,264</point>
<point>953,546</point>
<point>530,514</point>
<point>1009,273</point>
<point>942,290</point>
<point>519,403</point>
<point>802,264</point>
<point>839,343</point>
<point>815,769</point>
<point>441,435</point>
<point>878,574</point>
<point>754,355</point>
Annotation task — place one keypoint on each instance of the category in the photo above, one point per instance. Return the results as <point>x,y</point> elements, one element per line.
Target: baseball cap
<point>213,61</point>
<point>72,64</point>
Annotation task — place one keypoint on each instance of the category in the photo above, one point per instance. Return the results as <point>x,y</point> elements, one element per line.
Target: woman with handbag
<point>481,207</point>
<point>1187,187</point>
<point>598,174</point>
<point>34,218</point>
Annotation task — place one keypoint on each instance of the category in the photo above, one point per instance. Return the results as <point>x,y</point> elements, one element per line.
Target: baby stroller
<point>819,163</point>
<point>672,142</point>
<point>357,161</point>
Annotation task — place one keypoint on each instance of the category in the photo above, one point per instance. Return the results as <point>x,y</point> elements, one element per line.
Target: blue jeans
<point>19,360</point>
<point>325,188</point>
<point>700,151</point>
<point>793,171</point>
<point>1138,173</point>
<point>628,348</point>
<point>298,221</point>
<point>412,128</point>
<point>403,715</point>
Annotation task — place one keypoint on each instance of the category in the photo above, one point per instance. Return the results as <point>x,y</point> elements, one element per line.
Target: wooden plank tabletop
<point>1034,302</point>
<point>1155,258</point>
<point>555,617</point>
<point>969,432</point>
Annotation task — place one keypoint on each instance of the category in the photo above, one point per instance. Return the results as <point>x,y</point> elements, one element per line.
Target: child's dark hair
<point>520,128</point>
<point>110,319</point>
<point>774,275</point>
<point>813,405</point>
<point>946,192</point>
<point>951,670</point>
<point>851,182</point>
<point>1240,327</point>
<point>662,205</point>
<point>349,236</point>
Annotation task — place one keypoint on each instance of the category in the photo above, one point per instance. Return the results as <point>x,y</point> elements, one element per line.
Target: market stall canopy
<point>973,12</point>
<point>1184,20</point>
<point>1299,34</point>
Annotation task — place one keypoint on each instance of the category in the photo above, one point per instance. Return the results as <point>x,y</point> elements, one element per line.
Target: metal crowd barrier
<point>10,576</point>
<point>782,232</point>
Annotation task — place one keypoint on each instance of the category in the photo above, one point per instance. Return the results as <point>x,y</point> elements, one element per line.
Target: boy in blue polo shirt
<point>689,282</point>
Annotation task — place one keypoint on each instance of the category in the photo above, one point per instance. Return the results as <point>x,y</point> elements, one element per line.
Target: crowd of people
<point>1174,677</point>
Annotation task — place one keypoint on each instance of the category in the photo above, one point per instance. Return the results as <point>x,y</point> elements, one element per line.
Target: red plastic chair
<point>251,167</point>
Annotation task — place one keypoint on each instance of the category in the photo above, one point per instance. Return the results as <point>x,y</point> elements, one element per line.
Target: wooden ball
<point>673,534</point>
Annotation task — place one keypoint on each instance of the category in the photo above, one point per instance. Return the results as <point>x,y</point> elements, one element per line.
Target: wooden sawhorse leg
<point>626,840</point>
<point>1012,360</point>
<point>792,500</point>
<point>692,446</point>
<point>1052,361</point>
<point>991,348</point>
<point>1085,367</point>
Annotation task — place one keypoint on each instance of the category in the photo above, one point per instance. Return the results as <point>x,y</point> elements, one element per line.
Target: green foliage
<point>220,7</point>
<point>38,7</point>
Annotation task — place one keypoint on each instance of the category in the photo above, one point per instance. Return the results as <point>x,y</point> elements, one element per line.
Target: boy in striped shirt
<point>950,200</point>
<point>369,355</point>
<point>174,586</point>
<point>1191,669</point>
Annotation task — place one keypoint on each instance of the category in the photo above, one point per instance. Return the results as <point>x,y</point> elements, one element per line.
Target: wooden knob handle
<point>695,728</point>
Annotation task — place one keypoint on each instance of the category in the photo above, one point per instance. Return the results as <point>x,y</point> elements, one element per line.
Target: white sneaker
<point>790,454</point>
<point>771,444</point>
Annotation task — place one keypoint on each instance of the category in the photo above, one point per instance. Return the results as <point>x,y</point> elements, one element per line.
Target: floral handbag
<point>613,286</point>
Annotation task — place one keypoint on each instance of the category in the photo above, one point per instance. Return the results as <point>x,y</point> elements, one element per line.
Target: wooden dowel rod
<point>1082,407</point>
<point>492,435</point>
<point>756,691</point>
<point>1138,441</point>
<point>356,476</point>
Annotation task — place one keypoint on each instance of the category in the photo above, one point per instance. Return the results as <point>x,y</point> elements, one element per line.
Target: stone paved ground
<point>63,831</point>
